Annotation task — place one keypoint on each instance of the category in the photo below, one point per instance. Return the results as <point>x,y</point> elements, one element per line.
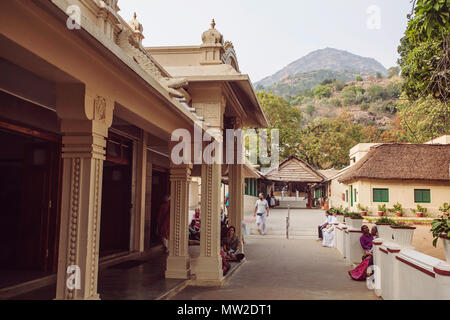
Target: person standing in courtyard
<point>261,213</point>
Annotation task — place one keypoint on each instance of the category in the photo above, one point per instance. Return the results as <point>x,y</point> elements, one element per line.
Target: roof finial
<point>135,15</point>
<point>213,24</point>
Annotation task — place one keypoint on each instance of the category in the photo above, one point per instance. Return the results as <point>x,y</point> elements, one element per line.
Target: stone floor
<point>281,269</point>
<point>133,280</point>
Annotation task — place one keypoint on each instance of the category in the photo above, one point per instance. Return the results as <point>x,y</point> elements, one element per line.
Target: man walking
<point>261,212</point>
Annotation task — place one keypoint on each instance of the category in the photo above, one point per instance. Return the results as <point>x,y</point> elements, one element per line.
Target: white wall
<point>402,192</point>
<point>249,204</point>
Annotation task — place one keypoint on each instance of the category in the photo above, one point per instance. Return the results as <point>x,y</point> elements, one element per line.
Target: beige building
<point>409,174</point>
<point>86,118</point>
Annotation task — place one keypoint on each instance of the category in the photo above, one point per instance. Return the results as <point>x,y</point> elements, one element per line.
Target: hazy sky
<point>269,34</point>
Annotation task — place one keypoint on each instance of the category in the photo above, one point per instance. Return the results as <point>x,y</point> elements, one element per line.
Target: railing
<point>288,218</point>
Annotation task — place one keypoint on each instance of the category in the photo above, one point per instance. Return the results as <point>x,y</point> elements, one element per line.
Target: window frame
<point>381,195</point>
<point>422,192</point>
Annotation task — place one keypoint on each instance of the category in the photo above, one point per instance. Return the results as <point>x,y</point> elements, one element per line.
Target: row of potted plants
<point>398,210</point>
<point>402,234</point>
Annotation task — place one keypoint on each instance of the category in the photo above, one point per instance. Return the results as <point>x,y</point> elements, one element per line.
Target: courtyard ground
<point>281,269</point>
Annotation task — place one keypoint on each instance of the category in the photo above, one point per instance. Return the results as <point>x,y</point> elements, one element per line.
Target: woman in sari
<point>233,246</point>
<point>366,240</point>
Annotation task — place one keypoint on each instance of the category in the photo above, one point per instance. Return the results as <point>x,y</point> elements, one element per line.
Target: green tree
<point>393,71</point>
<point>327,142</point>
<point>349,94</point>
<point>359,78</point>
<point>424,51</point>
<point>379,75</point>
<point>424,119</point>
<point>287,119</point>
<point>310,109</point>
<point>322,91</point>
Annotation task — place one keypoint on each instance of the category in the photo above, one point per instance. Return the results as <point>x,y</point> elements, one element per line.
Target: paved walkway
<point>283,269</point>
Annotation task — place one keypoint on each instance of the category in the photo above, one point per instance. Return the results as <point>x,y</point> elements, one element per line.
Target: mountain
<point>320,65</point>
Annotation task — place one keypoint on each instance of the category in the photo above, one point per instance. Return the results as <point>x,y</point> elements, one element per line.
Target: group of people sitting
<point>326,233</point>
<point>230,244</point>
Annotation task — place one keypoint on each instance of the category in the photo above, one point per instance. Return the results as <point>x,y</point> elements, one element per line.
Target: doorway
<point>160,188</point>
<point>29,199</point>
<point>115,223</point>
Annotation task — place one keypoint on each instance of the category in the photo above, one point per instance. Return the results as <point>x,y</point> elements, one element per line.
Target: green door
<point>351,196</point>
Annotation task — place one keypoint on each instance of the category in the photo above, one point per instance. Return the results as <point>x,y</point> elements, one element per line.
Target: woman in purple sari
<point>366,240</point>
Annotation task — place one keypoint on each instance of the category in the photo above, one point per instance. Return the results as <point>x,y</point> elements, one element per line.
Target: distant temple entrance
<point>291,183</point>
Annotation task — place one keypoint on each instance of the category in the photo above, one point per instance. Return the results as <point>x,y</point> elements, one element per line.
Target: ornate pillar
<point>85,119</point>
<point>178,261</point>
<point>236,182</point>
<point>140,200</point>
<point>236,185</point>
<point>209,264</point>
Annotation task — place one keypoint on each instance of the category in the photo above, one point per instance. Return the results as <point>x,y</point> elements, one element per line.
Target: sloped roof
<point>294,169</point>
<point>402,162</point>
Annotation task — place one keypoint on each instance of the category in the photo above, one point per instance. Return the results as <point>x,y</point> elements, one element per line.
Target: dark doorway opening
<point>160,188</point>
<point>115,220</point>
<point>29,201</point>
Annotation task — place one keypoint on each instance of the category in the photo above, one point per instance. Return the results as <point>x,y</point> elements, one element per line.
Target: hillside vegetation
<point>369,102</point>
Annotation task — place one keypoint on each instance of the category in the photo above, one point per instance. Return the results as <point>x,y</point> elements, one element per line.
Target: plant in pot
<point>397,209</point>
<point>441,230</point>
<point>356,220</point>
<point>339,214</point>
<point>382,210</point>
<point>364,210</point>
<point>384,230</point>
<point>346,214</point>
<point>420,211</point>
<point>402,234</point>
<point>445,209</point>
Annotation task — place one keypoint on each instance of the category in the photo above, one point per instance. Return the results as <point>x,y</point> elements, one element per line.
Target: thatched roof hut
<point>402,162</point>
<point>294,169</point>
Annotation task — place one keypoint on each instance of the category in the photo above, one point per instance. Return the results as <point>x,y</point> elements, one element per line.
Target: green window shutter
<point>346,195</point>
<point>246,186</point>
<point>380,195</point>
<point>422,195</point>
<point>355,195</point>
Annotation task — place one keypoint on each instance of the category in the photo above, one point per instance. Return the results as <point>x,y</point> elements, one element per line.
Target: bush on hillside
<point>322,91</point>
<point>336,102</point>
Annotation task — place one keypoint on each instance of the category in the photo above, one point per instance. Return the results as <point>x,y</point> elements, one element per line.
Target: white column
<point>178,261</point>
<point>209,264</point>
<point>85,121</point>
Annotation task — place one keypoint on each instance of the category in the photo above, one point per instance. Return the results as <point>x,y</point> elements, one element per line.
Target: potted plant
<point>397,209</point>
<point>364,210</point>
<point>382,210</point>
<point>339,214</point>
<point>346,214</point>
<point>356,220</point>
<point>441,229</point>
<point>402,234</point>
<point>384,230</point>
<point>445,209</point>
<point>420,211</point>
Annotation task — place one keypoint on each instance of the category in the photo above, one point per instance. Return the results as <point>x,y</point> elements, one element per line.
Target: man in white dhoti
<point>261,213</point>
<point>329,232</point>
